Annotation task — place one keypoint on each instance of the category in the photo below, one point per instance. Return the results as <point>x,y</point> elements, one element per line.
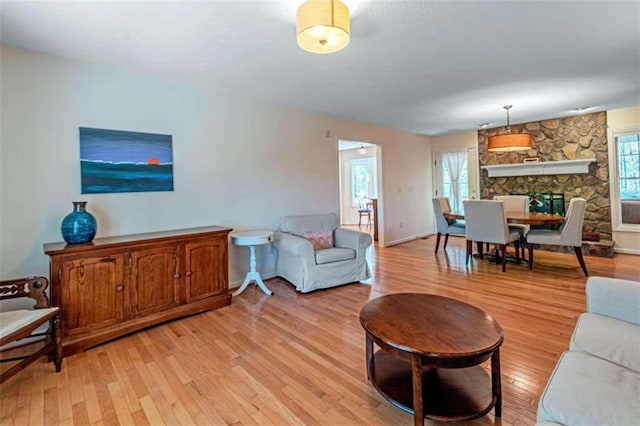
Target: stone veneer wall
<point>569,138</point>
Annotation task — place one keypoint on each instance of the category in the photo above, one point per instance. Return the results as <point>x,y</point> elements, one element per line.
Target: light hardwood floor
<point>299,359</point>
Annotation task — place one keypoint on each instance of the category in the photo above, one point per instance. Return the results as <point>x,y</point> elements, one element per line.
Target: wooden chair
<point>20,324</point>
<point>365,209</point>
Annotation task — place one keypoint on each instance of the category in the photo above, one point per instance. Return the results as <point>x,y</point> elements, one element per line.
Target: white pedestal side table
<point>252,239</point>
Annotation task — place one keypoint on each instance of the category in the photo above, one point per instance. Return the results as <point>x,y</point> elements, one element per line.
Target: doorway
<point>359,181</point>
<point>467,181</point>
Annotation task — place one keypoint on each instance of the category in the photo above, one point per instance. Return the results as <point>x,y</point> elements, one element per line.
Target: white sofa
<point>597,382</point>
<point>310,269</point>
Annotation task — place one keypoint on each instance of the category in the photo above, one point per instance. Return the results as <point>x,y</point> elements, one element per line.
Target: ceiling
<point>427,67</point>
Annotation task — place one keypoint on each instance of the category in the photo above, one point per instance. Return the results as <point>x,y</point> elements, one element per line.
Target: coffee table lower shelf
<point>448,394</point>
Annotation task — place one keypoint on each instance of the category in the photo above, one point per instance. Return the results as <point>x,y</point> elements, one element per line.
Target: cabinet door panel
<point>206,265</point>
<point>154,278</point>
<point>94,293</point>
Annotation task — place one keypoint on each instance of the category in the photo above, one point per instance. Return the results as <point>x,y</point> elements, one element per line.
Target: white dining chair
<point>444,225</point>
<point>569,234</point>
<point>486,221</point>
<point>517,203</point>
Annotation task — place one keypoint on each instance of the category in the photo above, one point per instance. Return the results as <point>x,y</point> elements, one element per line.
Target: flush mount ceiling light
<point>322,26</point>
<point>509,141</point>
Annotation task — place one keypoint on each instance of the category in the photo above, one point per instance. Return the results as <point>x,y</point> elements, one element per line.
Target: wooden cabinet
<point>154,280</point>
<point>203,263</point>
<point>113,286</point>
<point>95,292</point>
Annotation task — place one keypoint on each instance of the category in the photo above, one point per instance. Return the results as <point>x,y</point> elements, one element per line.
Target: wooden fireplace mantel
<point>564,167</point>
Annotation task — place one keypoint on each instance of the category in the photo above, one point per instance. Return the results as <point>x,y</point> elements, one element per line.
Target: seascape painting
<point>122,161</point>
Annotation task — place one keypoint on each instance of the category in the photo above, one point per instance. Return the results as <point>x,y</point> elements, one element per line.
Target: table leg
<point>253,275</point>
<point>416,375</point>
<point>496,385</point>
<point>371,372</point>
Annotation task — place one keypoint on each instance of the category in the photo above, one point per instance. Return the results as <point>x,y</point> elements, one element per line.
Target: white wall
<point>626,242</point>
<point>238,164</point>
<point>623,117</point>
<point>456,140</point>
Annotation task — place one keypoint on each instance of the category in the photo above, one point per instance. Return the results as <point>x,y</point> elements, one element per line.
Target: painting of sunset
<point>122,161</point>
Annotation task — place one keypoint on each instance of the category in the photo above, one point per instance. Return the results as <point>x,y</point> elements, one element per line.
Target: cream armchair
<point>311,269</point>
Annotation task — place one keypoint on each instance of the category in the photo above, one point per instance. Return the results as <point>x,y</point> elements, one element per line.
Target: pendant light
<point>509,141</point>
<point>322,26</point>
<point>362,150</point>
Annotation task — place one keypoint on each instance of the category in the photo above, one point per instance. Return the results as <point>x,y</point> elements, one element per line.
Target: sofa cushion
<point>298,225</point>
<point>334,255</point>
<point>586,390</point>
<point>614,298</point>
<point>320,239</point>
<point>614,340</point>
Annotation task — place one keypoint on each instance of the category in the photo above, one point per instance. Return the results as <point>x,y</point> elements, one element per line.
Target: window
<point>463,182</point>
<point>624,164</point>
<point>629,177</point>
<point>362,180</point>
<point>629,166</point>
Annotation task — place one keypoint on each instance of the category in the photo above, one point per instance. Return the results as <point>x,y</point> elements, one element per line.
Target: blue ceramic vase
<point>79,226</point>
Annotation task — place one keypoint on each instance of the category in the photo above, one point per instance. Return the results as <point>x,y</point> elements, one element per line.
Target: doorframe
<point>472,168</point>
<point>379,186</point>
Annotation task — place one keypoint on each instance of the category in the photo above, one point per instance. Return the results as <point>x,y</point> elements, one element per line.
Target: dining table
<point>525,218</point>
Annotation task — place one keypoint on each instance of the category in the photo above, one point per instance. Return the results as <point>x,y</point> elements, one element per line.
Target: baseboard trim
<point>407,239</point>
<point>626,251</point>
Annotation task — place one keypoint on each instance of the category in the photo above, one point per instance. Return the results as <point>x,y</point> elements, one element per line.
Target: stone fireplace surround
<point>580,137</point>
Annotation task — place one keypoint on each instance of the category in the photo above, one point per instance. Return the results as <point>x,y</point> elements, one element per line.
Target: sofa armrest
<point>614,298</point>
<point>294,245</point>
<point>356,240</point>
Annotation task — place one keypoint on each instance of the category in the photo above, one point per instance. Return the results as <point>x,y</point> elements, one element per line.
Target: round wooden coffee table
<point>430,351</point>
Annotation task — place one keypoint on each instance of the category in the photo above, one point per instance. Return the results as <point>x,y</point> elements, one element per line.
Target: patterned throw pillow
<point>320,239</point>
